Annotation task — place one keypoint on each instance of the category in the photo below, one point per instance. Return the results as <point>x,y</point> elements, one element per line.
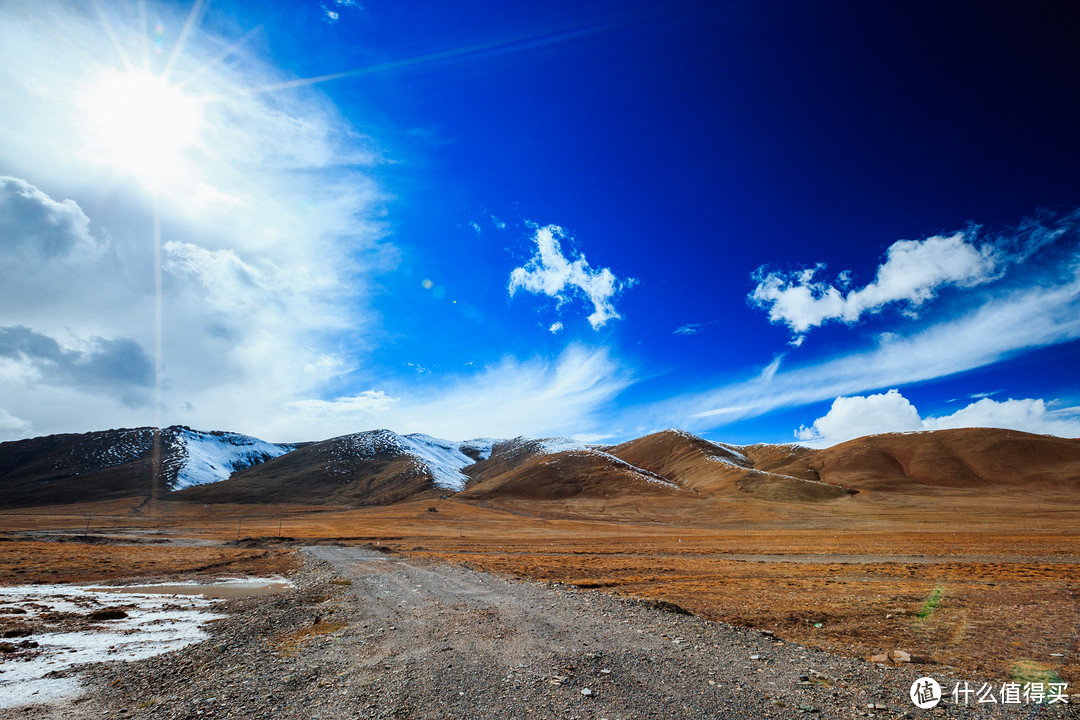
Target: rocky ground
<point>366,634</point>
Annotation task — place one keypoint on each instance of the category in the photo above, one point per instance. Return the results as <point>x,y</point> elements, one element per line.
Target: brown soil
<point>74,562</point>
<point>1005,595</point>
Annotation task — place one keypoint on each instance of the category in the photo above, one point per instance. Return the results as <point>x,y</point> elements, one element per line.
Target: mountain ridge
<point>378,467</point>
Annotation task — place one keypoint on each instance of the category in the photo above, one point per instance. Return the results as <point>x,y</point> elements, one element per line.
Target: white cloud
<point>556,327</point>
<point>853,417</point>
<point>1032,306</point>
<point>116,366</point>
<point>913,272</point>
<point>13,428</point>
<point>271,237</point>
<point>37,230</point>
<point>550,273</point>
<point>1029,415</point>
<point>536,397</point>
<point>323,419</point>
<point>688,329</point>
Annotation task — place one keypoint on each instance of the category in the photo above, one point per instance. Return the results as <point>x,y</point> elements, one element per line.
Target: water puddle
<point>59,627</point>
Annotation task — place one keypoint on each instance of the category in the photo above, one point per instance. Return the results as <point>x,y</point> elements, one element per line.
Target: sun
<point>138,123</point>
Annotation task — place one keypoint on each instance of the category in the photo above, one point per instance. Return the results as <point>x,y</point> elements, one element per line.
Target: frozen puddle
<point>69,627</point>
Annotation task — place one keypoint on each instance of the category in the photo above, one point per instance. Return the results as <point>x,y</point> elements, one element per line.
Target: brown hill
<point>962,458</point>
<point>84,467</point>
<point>712,468</point>
<point>670,469</point>
<point>114,464</point>
<point>506,455</point>
<point>368,468</point>
<point>523,473</point>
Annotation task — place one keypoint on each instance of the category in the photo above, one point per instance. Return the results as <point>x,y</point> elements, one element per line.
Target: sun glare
<point>138,123</point>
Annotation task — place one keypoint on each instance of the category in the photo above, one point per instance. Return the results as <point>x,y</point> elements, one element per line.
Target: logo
<point>925,693</point>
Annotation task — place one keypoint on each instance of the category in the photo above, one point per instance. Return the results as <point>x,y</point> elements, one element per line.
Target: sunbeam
<point>477,51</point>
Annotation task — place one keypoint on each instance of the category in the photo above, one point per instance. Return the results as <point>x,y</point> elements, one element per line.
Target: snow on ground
<point>443,458</point>
<point>212,457</point>
<point>649,477</point>
<point>559,444</point>
<point>155,624</point>
<point>481,446</point>
<point>734,451</point>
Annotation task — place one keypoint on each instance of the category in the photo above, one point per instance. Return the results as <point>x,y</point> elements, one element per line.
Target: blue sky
<point>758,221</point>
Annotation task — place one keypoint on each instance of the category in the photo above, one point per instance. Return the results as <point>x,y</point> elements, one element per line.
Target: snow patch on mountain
<point>646,475</point>
<point>209,457</point>
<point>442,459</point>
<point>479,447</point>
<point>559,444</point>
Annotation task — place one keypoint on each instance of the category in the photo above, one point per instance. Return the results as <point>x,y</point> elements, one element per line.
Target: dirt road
<point>371,635</point>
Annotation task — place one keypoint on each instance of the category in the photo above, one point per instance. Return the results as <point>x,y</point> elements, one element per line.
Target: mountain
<point>557,469</point>
<point>962,458</point>
<point>671,468</point>
<point>719,469</point>
<point>377,467</point>
<point>113,464</point>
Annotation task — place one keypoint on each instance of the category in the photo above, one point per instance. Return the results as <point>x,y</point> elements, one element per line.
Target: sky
<point>759,221</point>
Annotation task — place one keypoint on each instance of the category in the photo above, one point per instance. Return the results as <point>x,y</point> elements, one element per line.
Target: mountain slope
<point>114,464</point>
<point>962,458</point>
<point>376,467</point>
<point>535,474</point>
<point>717,469</point>
<point>381,467</point>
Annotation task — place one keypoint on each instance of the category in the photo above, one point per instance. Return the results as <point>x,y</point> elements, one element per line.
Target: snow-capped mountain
<point>121,463</point>
<point>371,467</point>
<point>380,467</point>
<point>206,457</point>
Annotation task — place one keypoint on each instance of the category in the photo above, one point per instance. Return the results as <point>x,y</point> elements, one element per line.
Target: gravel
<point>367,635</point>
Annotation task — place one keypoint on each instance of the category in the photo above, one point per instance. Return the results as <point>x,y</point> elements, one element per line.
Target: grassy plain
<point>965,586</point>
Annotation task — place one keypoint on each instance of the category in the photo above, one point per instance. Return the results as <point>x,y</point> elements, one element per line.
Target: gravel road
<point>373,635</point>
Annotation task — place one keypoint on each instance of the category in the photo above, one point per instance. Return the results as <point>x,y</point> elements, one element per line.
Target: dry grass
<point>1008,572</point>
<point>68,562</point>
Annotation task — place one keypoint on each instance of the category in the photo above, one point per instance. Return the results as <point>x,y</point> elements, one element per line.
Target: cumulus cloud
<point>1032,306</point>
<point>551,273</point>
<point>1029,415</point>
<point>852,417</point>
<point>857,416</point>
<point>556,327</point>
<point>913,273</point>
<point>225,282</point>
